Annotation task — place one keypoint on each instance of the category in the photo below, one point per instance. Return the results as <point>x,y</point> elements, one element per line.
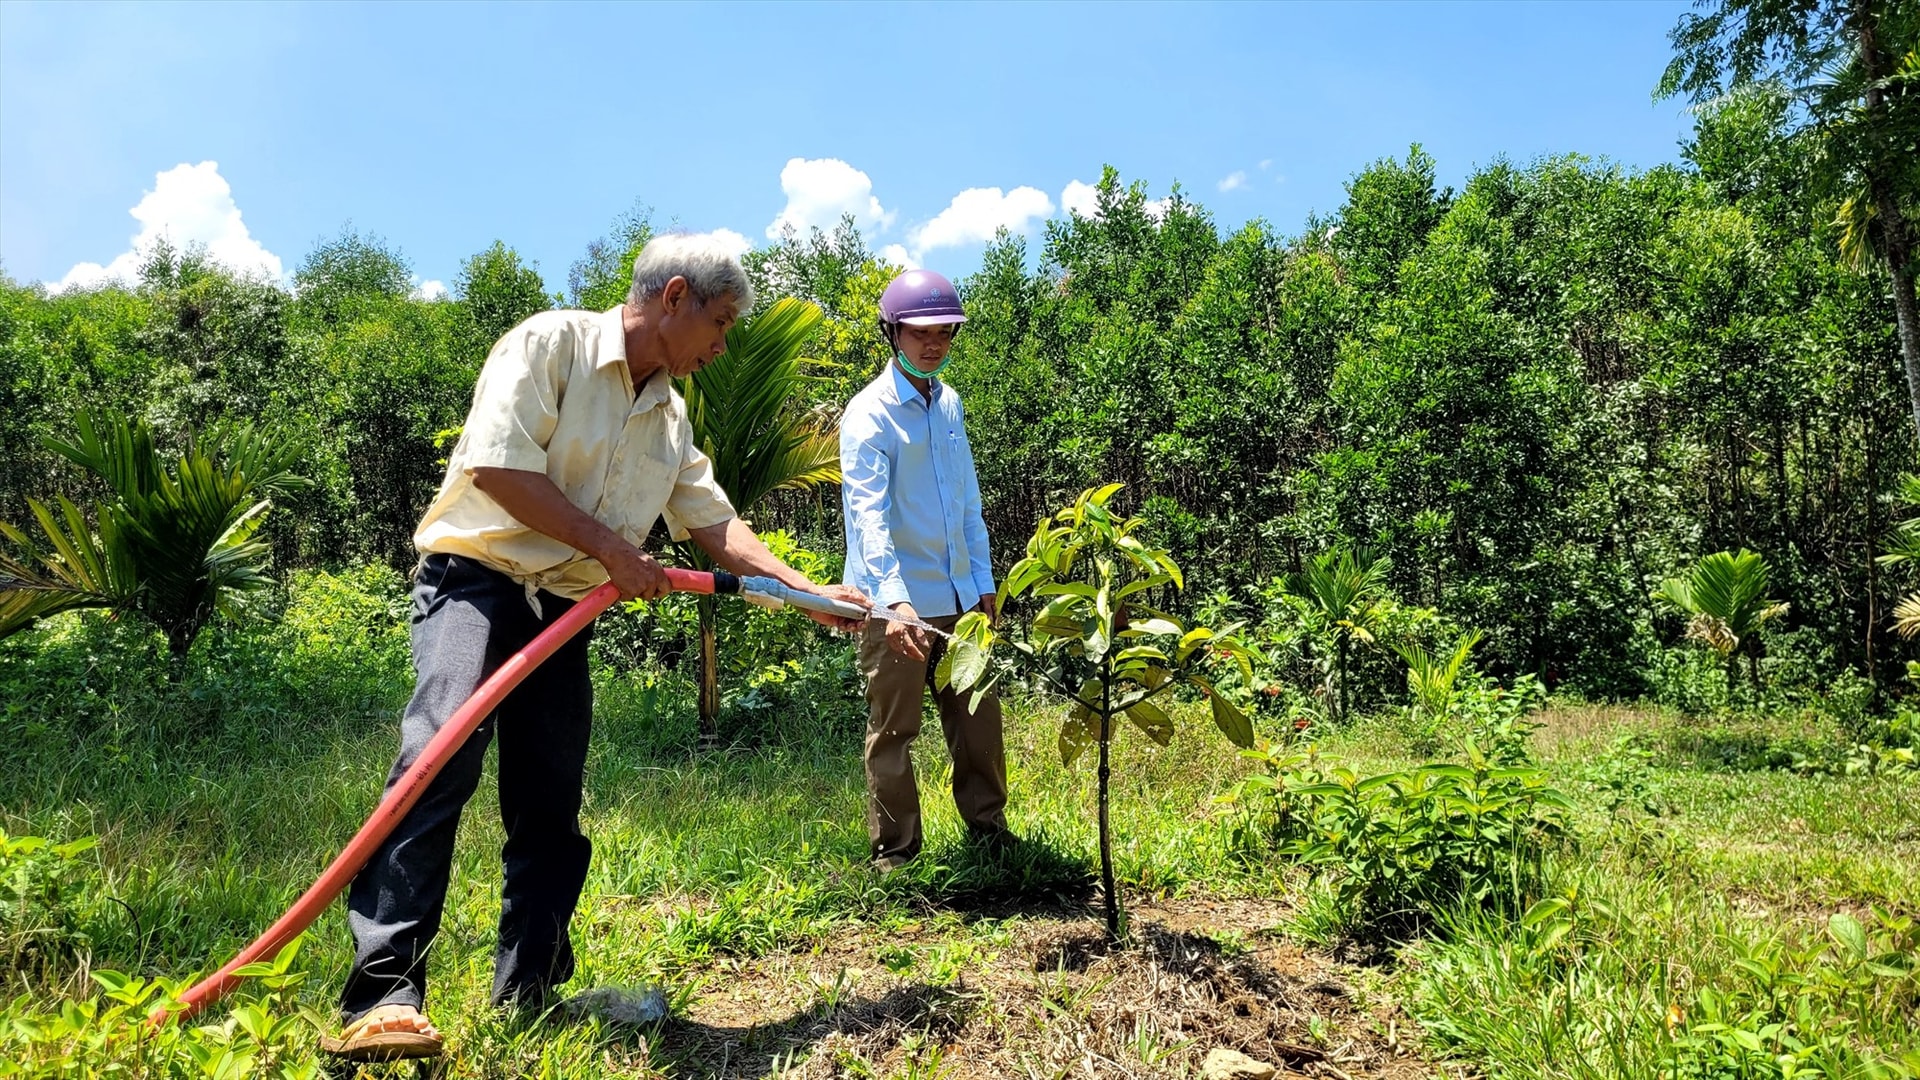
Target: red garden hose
<point>413,783</point>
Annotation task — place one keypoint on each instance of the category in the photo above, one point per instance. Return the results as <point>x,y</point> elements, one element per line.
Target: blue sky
<point>442,127</point>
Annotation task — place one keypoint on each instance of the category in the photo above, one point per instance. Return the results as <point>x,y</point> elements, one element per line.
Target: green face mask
<point>907,365</point>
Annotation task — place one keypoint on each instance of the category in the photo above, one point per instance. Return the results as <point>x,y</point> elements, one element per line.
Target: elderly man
<point>575,444</point>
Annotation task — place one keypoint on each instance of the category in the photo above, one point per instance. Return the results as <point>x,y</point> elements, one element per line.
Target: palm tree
<point>1725,593</point>
<point>176,540</point>
<point>1903,545</point>
<point>1341,586</point>
<point>741,409</point>
<point>1431,677</point>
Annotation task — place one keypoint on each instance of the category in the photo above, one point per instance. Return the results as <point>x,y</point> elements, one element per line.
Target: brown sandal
<point>387,1033</point>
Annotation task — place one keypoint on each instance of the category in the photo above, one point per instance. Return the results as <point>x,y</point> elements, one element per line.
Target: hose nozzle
<point>772,595</point>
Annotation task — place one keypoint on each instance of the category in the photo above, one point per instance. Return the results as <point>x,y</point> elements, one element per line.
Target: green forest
<point>1561,531</point>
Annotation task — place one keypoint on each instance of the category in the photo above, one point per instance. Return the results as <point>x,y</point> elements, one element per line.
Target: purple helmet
<point>920,298</point>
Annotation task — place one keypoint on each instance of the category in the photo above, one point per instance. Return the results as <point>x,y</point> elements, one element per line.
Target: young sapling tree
<point>1097,643</point>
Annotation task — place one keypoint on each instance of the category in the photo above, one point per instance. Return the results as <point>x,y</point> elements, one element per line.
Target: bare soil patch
<point>1042,995</point>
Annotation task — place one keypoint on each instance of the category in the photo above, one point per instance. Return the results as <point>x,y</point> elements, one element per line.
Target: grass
<point>736,881</point>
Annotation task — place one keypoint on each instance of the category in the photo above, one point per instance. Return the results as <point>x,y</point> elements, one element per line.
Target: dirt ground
<point>1046,997</point>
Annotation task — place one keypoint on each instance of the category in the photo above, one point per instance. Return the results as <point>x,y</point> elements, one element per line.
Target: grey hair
<point>704,259</point>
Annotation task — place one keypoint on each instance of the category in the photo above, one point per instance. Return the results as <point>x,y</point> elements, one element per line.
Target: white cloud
<point>189,205</point>
<point>976,214</point>
<point>1081,198</point>
<point>735,242</point>
<point>898,256</point>
<point>1235,179</point>
<point>430,289</point>
<point>1265,164</point>
<point>822,190</point>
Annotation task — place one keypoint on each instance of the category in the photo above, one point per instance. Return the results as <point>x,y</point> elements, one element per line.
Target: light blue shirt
<point>911,499</point>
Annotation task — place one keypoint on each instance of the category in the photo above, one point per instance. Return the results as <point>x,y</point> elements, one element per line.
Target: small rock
<point>1225,1064</point>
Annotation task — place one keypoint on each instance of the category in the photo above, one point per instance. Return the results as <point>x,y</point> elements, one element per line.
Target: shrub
<point>43,906</point>
<point>1396,848</point>
<point>266,1034</point>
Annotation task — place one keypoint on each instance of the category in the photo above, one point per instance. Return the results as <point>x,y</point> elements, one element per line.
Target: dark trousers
<point>467,620</point>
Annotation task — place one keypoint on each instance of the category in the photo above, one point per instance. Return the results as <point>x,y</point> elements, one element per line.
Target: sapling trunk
<point>1106,842</point>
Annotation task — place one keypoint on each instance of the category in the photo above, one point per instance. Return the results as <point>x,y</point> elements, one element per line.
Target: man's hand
<point>634,572</point>
<point>533,500</point>
<point>845,593</point>
<point>989,606</point>
<point>908,641</point>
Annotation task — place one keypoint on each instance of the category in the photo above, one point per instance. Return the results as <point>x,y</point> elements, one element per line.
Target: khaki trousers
<point>895,685</point>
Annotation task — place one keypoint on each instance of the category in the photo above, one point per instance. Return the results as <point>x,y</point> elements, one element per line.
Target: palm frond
<point>1906,616</point>
<point>78,572</point>
<point>1341,582</point>
<point>1727,586</point>
<point>1678,593</point>
<point>118,450</point>
<point>740,408</point>
<point>176,542</point>
<point>1856,223</point>
<point>1903,543</point>
<point>1430,678</point>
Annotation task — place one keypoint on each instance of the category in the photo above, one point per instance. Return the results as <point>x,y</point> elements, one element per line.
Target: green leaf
<point>1154,626</point>
<point>980,694</point>
<point>110,980</point>
<point>1847,931</point>
<point>76,847</point>
<point>1190,641</point>
<point>1097,643</point>
<point>1550,937</point>
<point>1230,720</point>
<point>1076,735</point>
<point>1143,585</point>
<point>966,662</point>
<point>1025,574</point>
<point>1058,626</point>
<point>1542,910</point>
<point>1152,721</point>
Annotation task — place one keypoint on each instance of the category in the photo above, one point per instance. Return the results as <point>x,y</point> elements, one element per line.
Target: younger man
<point>916,543</point>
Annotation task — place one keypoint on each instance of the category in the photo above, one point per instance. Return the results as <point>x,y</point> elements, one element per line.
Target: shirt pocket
<point>955,452</point>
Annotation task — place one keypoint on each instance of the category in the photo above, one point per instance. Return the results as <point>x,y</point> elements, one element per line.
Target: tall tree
<point>1390,209</point>
<point>600,278</point>
<point>495,291</point>
<point>1853,69</point>
<point>342,276</point>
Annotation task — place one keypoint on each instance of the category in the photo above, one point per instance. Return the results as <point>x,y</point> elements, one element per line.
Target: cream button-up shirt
<point>556,396</point>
